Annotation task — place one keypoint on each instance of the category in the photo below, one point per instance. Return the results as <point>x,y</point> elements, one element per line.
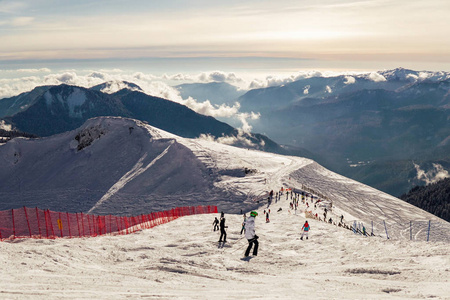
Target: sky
<point>253,36</point>
<point>250,44</point>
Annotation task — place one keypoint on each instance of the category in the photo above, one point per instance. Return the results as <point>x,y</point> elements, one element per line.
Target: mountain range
<point>388,129</point>
<point>372,127</point>
<point>49,110</point>
<point>115,165</point>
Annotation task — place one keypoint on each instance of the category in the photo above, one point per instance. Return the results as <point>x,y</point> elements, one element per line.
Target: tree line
<point>434,198</point>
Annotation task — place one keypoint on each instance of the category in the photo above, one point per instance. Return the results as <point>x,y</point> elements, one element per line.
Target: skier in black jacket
<point>216,224</point>
<point>222,226</point>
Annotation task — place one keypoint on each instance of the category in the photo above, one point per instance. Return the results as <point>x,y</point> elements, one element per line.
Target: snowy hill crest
<point>132,168</point>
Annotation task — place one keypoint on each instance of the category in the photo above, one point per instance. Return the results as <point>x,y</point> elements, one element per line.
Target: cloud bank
<point>150,84</point>
<point>432,175</point>
<point>160,86</point>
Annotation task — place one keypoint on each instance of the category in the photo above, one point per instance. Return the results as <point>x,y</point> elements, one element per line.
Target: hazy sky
<point>334,34</point>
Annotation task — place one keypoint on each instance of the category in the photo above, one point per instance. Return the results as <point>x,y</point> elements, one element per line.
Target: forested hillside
<point>434,198</point>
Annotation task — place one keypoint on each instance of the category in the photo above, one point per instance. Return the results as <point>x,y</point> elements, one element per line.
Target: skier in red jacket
<point>305,230</point>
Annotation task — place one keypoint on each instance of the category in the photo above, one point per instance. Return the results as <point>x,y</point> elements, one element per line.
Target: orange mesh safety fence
<point>45,224</point>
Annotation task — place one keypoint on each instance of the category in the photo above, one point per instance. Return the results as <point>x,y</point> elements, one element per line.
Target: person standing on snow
<point>223,233</point>
<point>305,230</point>
<point>250,234</point>
<point>216,224</point>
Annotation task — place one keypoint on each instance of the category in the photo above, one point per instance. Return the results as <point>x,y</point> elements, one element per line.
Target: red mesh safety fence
<point>37,223</point>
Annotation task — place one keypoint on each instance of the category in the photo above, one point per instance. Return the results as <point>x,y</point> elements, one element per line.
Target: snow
<point>74,100</point>
<point>181,259</point>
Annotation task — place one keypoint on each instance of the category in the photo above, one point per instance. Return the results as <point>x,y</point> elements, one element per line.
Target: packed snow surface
<point>182,259</point>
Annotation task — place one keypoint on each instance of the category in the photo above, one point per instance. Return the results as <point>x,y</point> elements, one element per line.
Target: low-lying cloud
<point>349,80</point>
<point>376,77</point>
<point>432,175</point>
<point>150,84</point>
<point>159,86</point>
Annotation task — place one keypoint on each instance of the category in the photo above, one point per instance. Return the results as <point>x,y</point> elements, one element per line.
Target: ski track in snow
<point>181,260</point>
<point>130,175</point>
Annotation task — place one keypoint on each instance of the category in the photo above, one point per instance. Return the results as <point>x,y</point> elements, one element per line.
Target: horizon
<point>199,36</point>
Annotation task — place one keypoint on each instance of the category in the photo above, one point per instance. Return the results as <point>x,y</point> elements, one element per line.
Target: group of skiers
<point>248,224</point>
<point>248,227</point>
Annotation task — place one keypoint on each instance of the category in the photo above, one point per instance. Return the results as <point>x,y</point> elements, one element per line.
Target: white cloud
<point>178,77</point>
<point>349,80</point>
<point>432,175</point>
<point>41,70</point>
<point>306,89</point>
<point>376,77</point>
<point>242,138</point>
<point>278,80</point>
<point>5,126</point>
<point>412,77</point>
<point>46,70</point>
<point>150,84</point>
<point>219,76</point>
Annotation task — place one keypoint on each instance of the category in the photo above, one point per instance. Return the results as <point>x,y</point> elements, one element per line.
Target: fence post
<point>51,224</point>
<point>95,225</point>
<point>28,222</point>
<point>385,228</point>
<point>39,223</point>
<point>14,225</point>
<point>429,227</point>
<point>46,222</point>
<point>82,224</point>
<point>68,224</point>
<point>89,223</point>
<point>60,224</point>
<point>117,223</point>
<point>78,224</point>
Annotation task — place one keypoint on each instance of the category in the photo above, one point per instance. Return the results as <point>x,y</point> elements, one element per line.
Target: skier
<point>223,233</point>
<point>243,223</point>
<point>267,216</point>
<point>250,234</point>
<point>305,230</point>
<point>216,224</point>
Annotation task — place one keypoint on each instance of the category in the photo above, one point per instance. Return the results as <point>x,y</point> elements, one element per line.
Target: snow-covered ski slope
<point>146,168</point>
<point>181,260</point>
<point>122,166</point>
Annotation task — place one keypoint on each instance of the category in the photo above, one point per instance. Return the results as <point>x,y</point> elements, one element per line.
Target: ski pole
<point>237,248</point>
